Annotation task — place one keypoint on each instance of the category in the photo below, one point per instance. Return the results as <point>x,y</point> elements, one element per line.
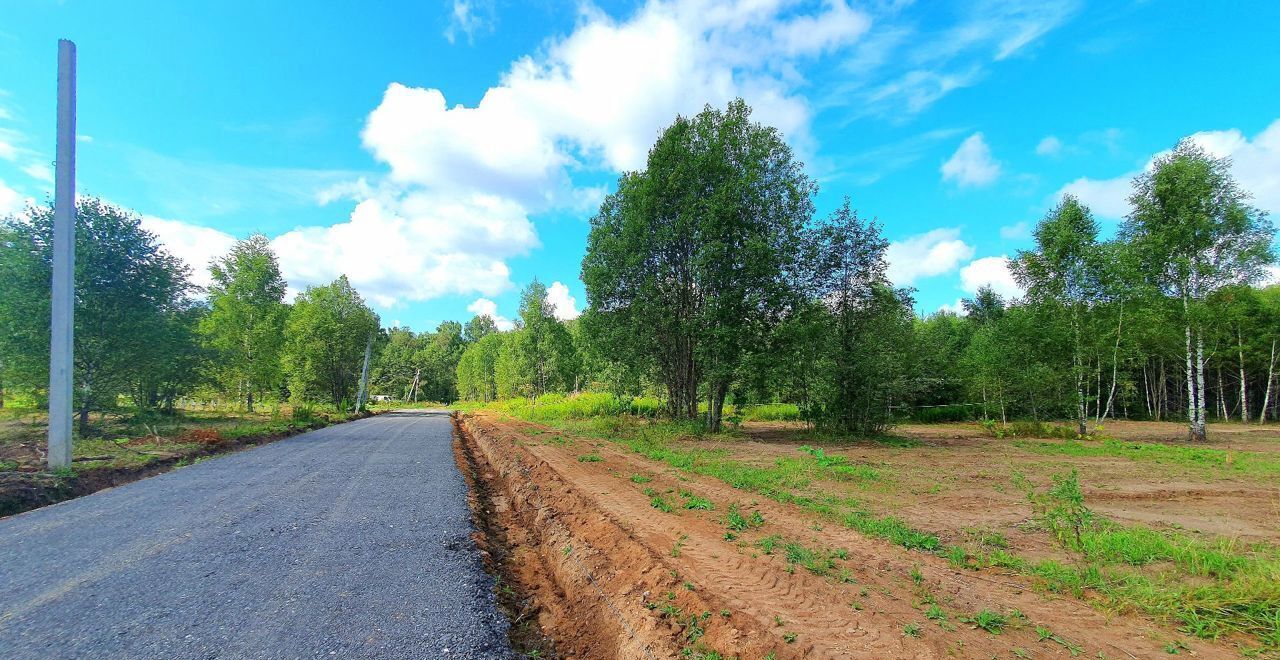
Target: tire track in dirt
<point>582,501</point>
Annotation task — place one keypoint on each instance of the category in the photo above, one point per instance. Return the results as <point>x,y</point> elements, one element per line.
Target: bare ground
<point>605,574</point>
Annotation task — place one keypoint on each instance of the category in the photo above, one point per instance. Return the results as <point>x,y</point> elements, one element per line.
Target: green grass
<point>590,458</point>
<point>1241,462</point>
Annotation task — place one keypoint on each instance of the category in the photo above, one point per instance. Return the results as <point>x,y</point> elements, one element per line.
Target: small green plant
<point>768,543</point>
<point>660,504</point>
<point>911,630</point>
<point>640,479</point>
<point>1062,511</point>
<point>693,502</point>
<point>935,613</point>
<point>590,458</point>
<point>738,522</point>
<point>789,637</point>
<point>675,550</point>
<point>916,576</point>
<point>992,622</point>
<point>777,620</point>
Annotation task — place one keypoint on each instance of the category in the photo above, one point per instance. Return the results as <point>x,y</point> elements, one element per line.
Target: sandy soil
<point>609,575</point>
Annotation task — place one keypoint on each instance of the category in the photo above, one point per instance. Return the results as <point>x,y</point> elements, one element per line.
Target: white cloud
<point>956,307</point>
<point>566,306</point>
<point>11,201</point>
<point>1105,197</point>
<point>924,255</point>
<point>1049,146</point>
<point>412,247</point>
<point>971,164</point>
<point>463,181</point>
<point>1016,232</point>
<point>9,149</point>
<point>195,245</point>
<point>469,17</point>
<point>993,272</point>
<point>1255,164</point>
<point>486,307</point>
<point>39,172</point>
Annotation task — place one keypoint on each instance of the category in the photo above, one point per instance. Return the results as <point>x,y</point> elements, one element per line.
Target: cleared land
<point>621,537</point>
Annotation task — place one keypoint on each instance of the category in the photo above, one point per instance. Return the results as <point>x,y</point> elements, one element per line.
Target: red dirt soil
<point>601,562</point>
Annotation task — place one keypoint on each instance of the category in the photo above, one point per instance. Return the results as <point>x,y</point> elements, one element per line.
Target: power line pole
<point>64,263</point>
<point>364,375</point>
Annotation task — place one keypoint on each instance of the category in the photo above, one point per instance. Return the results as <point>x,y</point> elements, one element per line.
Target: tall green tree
<point>687,262</point>
<point>1195,234</point>
<point>327,330</point>
<point>246,320</point>
<point>1064,271</point>
<point>127,287</point>
<point>867,325</point>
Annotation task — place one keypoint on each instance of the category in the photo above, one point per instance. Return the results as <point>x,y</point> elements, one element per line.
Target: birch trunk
<point>1266,397</point>
<point>1244,392</point>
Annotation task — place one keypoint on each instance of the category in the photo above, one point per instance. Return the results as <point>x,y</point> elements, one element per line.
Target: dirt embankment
<point>605,573</point>
<point>23,490</point>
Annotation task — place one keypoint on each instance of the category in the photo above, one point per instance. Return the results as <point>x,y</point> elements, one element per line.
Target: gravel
<point>353,541</point>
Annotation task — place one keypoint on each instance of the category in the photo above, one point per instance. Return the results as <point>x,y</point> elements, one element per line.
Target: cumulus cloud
<point>566,306</point>
<point>1254,163</point>
<point>464,181</point>
<point>971,164</point>
<point>415,246</point>
<point>1049,146</point>
<point>925,255</point>
<point>195,245</point>
<point>486,307</point>
<point>993,272</point>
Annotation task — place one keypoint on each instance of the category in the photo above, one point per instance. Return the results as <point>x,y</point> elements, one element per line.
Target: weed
<point>789,637</point>
<point>675,550</point>
<point>935,613</point>
<point>916,576</point>
<point>660,504</point>
<point>640,479</point>
<point>698,503</point>
<point>590,458</point>
<point>911,630</point>
<point>992,622</point>
<point>768,543</point>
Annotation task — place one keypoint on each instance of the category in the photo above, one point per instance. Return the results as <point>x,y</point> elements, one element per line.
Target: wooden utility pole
<point>64,263</point>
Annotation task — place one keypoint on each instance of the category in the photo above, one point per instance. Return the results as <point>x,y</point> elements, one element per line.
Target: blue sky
<point>442,154</point>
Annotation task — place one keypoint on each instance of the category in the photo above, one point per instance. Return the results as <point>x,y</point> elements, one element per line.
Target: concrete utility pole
<point>64,263</point>
<point>364,375</point>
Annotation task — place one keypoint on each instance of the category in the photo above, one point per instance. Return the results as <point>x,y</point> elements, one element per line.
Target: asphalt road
<point>348,542</point>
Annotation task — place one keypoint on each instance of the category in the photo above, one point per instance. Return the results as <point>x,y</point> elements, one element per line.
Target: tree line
<point>710,280</point>
<point>711,283</point>
<point>145,336</point>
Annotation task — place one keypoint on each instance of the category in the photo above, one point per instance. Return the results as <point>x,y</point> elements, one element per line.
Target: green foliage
<point>132,314</point>
<point>687,261</point>
<point>326,334</point>
<point>246,321</point>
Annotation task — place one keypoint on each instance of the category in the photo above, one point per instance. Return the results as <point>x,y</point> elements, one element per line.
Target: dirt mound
<point>612,572</point>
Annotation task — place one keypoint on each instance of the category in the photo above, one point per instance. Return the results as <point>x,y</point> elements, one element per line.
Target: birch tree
<point>1196,234</point>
